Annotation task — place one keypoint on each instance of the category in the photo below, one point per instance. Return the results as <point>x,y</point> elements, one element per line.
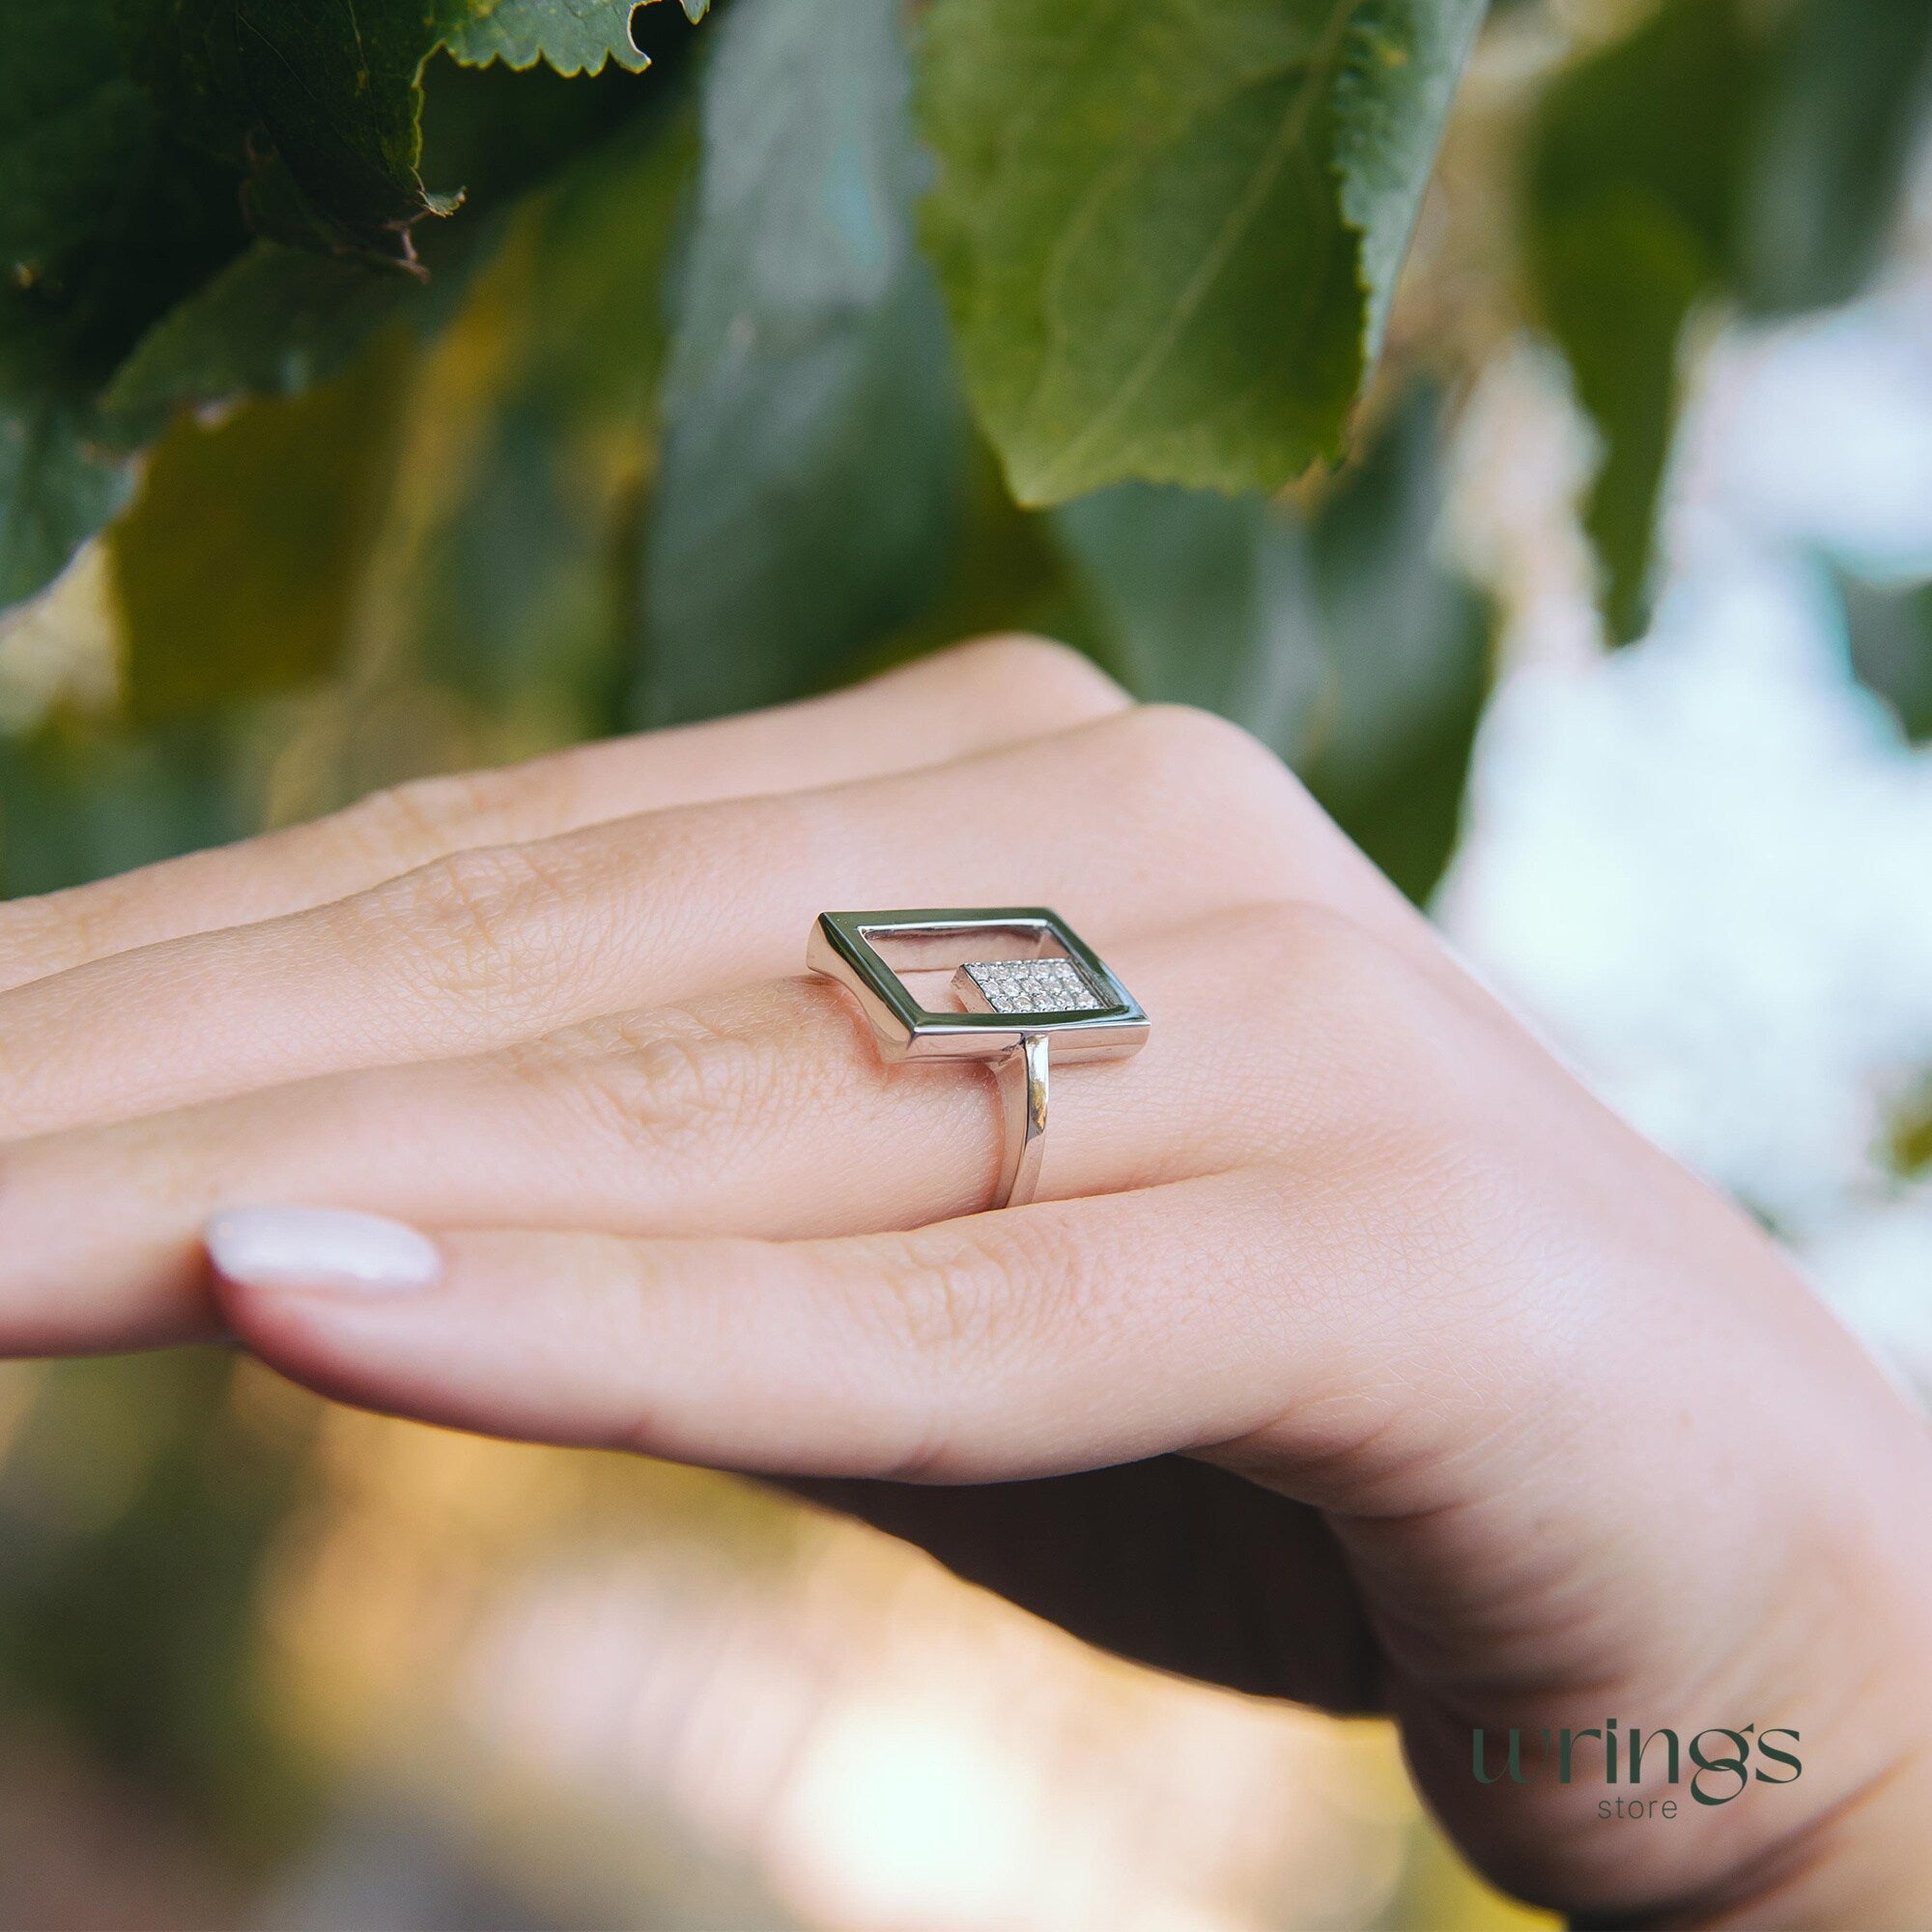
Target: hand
<point>1356,1354</point>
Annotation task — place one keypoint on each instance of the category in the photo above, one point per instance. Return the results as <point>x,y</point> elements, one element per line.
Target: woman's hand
<point>1403,1375</point>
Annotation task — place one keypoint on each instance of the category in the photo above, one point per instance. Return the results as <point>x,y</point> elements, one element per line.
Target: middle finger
<point>1142,820</point>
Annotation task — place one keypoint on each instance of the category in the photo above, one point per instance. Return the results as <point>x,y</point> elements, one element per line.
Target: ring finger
<point>764,1111</point>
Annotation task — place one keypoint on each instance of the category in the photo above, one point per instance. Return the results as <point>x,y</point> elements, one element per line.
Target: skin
<point>1352,1354</point>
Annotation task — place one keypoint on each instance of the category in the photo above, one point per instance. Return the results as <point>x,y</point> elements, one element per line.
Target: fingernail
<point>267,1247</point>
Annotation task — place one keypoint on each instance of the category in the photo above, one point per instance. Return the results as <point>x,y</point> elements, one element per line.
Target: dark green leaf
<point>104,220</point>
<point>318,100</point>
<point>280,318</point>
<point>810,471</point>
<point>1167,231</point>
<point>74,127</point>
<point>321,100</point>
<point>276,320</point>
<point>1832,152</point>
<point>127,130</point>
<point>57,486</point>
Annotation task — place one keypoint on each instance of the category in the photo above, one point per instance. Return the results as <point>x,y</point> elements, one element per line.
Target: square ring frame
<point>846,947</point>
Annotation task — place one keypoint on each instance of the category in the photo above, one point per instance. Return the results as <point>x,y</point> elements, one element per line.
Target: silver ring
<point>1022,978</point>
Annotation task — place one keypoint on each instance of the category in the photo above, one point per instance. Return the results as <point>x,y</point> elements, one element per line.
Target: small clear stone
<point>1034,986</point>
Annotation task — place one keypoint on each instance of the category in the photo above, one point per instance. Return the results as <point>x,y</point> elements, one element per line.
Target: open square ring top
<point>1022,977</point>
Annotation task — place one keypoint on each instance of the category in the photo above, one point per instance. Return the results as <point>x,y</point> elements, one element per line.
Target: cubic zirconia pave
<point>1033,986</point>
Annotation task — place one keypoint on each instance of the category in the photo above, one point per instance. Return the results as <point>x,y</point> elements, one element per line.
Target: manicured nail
<point>267,1247</point>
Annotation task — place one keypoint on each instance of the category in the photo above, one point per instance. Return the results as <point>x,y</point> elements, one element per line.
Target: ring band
<point>1025,985</point>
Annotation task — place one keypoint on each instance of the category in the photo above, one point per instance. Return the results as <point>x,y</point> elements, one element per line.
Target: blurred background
<point>1611,642</point>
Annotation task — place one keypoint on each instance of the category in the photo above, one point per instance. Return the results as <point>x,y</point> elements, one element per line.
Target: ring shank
<point>1022,977</point>
<point>1023,1092</point>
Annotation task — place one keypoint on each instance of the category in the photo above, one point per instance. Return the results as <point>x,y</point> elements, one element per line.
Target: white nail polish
<point>329,1246</point>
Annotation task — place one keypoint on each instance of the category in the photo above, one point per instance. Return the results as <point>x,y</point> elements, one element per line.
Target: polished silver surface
<point>1026,984</point>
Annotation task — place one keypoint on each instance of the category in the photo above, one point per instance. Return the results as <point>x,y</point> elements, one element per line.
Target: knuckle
<point>1039,680</point>
<point>943,1297</point>
<point>409,825</point>
<point>38,936</point>
<point>1316,943</point>
<point>1365,1055</point>
<point>683,1089</point>
<point>1183,750</point>
<point>1221,796</point>
<point>483,925</point>
<point>973,1305</point>
<point>983,1290</point>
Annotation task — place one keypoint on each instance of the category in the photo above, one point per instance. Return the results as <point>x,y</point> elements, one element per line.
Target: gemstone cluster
<point>1032,987</point>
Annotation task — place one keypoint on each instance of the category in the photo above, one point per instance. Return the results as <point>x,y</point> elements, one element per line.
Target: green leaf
<point>1338,638</point>
<point>572,35</point>
<point>1620,276</point>
<point>104,221</point>
<point>73,127</point>
<point>279,318</point>
<point>810,473</point>
<point>127,130</point>
<point>1391,102</point>
<point>1831,152</point>
<point>1634,175</point>
<point>238,565</point>
<point>1167,230</point>
<point>276,320</point>
<point>319,100</point>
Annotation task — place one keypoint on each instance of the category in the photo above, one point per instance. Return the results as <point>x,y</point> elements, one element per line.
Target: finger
<point>765,1111</point>
<point>1147,819</point>
<point>991,693</point>
<point>1063,1336</point>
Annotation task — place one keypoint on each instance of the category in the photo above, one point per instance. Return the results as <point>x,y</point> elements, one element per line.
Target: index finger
<point>972,699</point>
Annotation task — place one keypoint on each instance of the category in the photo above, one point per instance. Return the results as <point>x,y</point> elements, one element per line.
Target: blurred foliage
<point>79,801</point>
<point>1335,636</point>
<point>252,535</point>
<point>811,432</point>
<point>431,382</point>
<point>139,1503</point>
<point>1890,628</point>
<point>1725,152</point>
